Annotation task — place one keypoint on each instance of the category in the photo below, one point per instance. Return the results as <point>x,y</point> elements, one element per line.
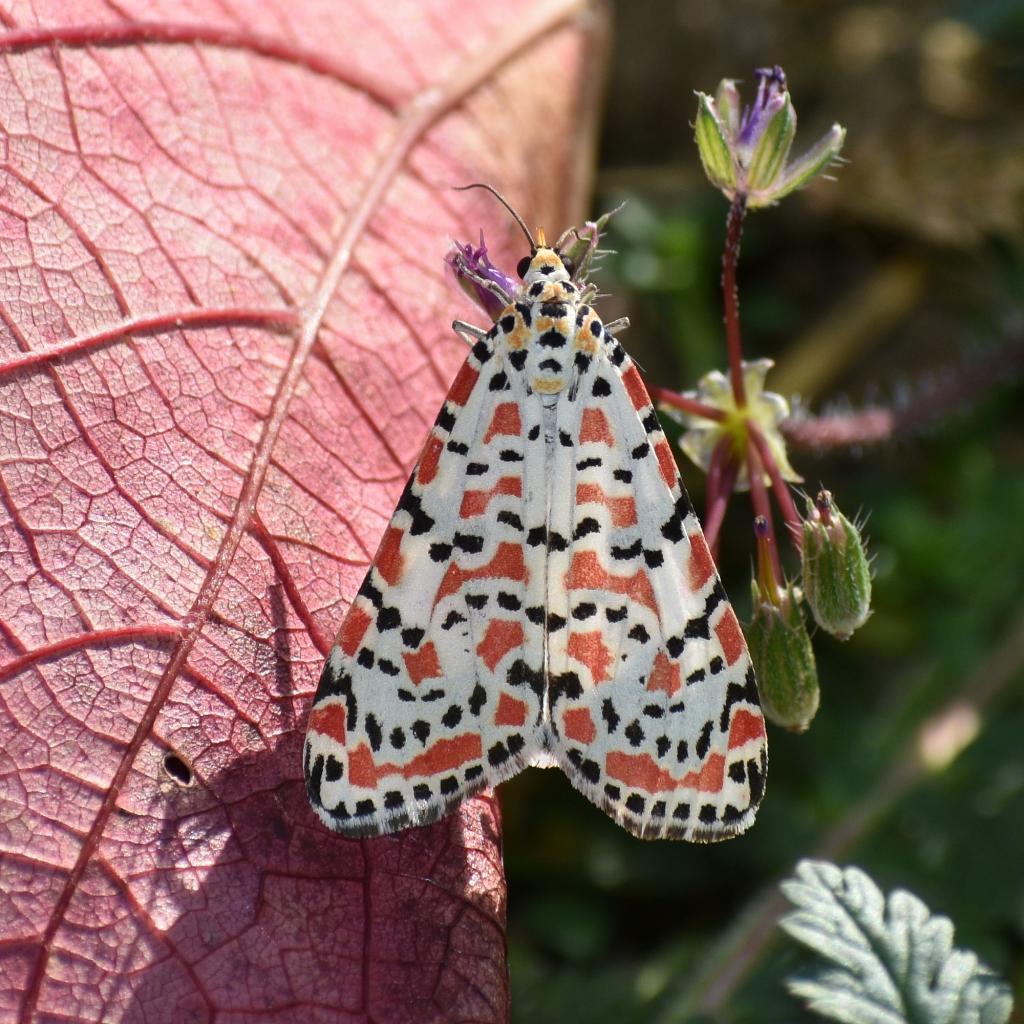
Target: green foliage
<point>893,961</point>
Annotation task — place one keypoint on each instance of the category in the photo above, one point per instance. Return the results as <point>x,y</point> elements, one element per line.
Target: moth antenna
<point>504,202</point>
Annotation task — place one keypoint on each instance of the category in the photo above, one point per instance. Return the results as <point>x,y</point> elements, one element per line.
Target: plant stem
<point>688,405</point>
<point>759,499</point>
<point>731,299</point>
<point>780,489</point>
<point>722,471</point>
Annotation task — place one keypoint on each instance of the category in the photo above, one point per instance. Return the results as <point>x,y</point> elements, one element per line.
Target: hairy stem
<point>780,489</point>
<point>731,299</point>
<point>759,499</point>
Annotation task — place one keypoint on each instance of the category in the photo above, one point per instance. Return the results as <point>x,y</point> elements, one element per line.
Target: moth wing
<point>652,704</point>
<point>433,688</point>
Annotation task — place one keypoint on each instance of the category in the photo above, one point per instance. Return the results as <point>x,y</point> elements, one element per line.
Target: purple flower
<point>479,278</point>
<point>771,98</point>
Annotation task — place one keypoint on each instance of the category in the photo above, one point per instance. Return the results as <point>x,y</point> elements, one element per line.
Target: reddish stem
<point>780,489</point>
<point>731,299</point>
<point>759,499</point>
<point>722,471</point>
<point>688,405</point>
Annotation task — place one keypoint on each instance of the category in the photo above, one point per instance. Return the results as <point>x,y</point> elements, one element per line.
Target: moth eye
<point>570,266</point>
<point>523,266</point>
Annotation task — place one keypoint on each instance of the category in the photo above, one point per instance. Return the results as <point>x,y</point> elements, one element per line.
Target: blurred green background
<point>900,284</point>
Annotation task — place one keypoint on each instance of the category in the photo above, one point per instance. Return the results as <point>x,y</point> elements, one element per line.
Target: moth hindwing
<point>543,592</point>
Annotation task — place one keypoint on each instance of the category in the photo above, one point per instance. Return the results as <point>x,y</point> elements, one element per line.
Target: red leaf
<point>224,332</point>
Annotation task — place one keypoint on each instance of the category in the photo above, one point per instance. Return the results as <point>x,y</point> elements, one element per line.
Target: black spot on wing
<point>627,554</point>
<point>388,618</point>
<point>704,740</point>
<point>634,733</point>
<point>510,519</point>
<point>477,699</point>
<point>373,732</point>
<point>520,674</point>
<point>411,503</point>
<point>653,558</point>
<point>590,770</point>
<point>440,552</point>
<point>471,543</point>
<point>412,637</point>
<point>566,684</point>
<point>370,592</point>
<point>609,714</point>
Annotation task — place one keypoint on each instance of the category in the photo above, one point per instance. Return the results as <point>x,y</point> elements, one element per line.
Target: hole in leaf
<point>178,769</point>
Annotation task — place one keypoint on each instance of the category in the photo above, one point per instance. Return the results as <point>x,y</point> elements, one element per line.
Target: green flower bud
<point>727,103</point>
<point>824,152</point>
<point>836,572</point>
<point>580,245</point>
<point>780,648</point>
<point>713,145</point>
<point>745,150</point>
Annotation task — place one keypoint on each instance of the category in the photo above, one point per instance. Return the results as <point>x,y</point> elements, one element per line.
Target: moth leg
<point>467,332</point>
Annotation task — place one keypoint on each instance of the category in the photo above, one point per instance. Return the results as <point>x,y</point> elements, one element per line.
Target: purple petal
<point>472,267</point>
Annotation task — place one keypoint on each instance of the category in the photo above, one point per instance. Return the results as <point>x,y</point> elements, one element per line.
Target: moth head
<point>545,263</point>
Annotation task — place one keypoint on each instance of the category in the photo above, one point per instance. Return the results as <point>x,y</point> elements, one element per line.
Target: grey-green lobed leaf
<point>890,960</point>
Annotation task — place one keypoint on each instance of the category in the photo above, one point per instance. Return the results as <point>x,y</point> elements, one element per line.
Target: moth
<point>543,595</point>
